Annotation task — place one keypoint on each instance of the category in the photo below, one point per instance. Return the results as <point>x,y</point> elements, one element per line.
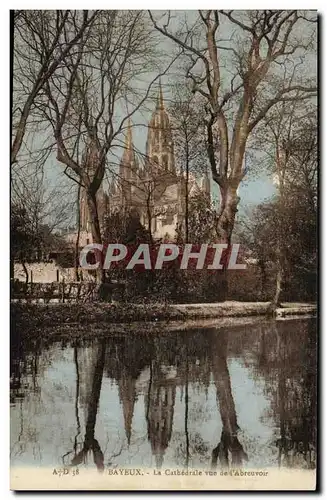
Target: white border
<point>4,184</point>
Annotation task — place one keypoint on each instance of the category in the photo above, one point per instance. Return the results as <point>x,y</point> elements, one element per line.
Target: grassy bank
<point>39,315</point>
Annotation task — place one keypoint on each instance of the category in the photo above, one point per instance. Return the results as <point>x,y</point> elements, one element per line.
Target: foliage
<point>30,239</point>
<point>170,284</point>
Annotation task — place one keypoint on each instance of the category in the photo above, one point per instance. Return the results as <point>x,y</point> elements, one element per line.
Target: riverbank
<point>40,315</point>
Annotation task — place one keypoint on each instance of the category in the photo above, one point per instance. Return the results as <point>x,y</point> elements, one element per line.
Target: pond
<point>200,398</point>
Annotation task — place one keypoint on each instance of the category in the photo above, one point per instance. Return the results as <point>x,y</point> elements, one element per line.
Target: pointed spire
<point>128,152</point>
<point>160,101</point>
<point>127,396</point>
<point>129,137</point>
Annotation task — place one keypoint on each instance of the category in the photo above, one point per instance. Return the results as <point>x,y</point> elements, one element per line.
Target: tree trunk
<point>280,271</point>
<point>12,267</point>
<point>186,201</point>
<point>25,271</point>
<point>228,210</point>
<point>96,232</point>
<point>187,411</point>
<point>78,233</point>
<point>279,282</point>
<point>229,441</point>
<point>91,361</point>
<point>225,226</point>
<point>95,224</point>
<point>149,217</point>
<point>263,273</point>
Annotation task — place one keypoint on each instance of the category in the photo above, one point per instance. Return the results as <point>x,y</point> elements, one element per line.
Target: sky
<point>253,190</point>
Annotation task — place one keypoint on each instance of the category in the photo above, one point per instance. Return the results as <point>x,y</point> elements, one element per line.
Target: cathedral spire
<point>159,146</point>
<point>128,168</point>
<point>129,138</point>
<point>160,101</point>
<point>128,159</point>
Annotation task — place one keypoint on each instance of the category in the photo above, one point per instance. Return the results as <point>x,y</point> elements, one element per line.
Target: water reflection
<point>210,398</point>
<point>229,443</point>
<point>89,363</point>
<point>290,375</point>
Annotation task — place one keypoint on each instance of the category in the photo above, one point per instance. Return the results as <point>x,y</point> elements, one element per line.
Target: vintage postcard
<point>164,170</point>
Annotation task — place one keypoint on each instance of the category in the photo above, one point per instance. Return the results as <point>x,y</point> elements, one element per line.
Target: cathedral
<point>148,184</point>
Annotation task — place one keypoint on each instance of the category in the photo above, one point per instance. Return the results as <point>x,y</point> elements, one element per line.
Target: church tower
<point>160,146</point>
<point>90,162</point>
<point>128,170</point>
<point>152,186</point>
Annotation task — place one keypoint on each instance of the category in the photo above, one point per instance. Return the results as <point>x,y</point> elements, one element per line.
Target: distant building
<point>152,187</point>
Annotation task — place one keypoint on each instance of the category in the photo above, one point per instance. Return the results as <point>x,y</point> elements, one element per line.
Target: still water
<point>215,397</point>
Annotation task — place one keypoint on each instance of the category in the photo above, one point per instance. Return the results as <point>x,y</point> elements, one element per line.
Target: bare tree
<point>241,78</point>
<point>282,231</point>
<point>89,99</point>
<point>40,47</point>
<point>293,139</point>
<point>36,217</point>
<point>189,141</point>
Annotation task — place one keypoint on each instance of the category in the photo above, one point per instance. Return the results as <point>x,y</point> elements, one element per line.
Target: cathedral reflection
<point>159,407</point>
<point>164,369</point>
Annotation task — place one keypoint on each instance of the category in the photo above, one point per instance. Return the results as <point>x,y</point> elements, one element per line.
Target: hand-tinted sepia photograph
<point>163,250</point>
